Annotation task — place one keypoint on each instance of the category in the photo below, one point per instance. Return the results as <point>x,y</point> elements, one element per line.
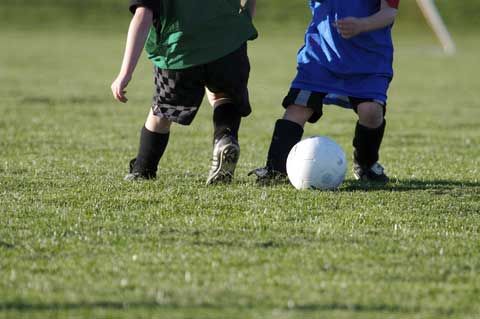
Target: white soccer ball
<point>316,162</point>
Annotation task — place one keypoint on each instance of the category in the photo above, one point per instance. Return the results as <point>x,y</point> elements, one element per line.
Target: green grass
<point>461,15</point>
<point>77,241</point>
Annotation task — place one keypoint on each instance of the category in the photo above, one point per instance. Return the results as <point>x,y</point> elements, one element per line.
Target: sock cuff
<point>369,129</point>
<point>152,134</point>
<point>220,103</point>
<point>291,126</point>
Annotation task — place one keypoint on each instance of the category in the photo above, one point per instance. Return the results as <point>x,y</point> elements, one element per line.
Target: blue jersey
<point>360,66</point>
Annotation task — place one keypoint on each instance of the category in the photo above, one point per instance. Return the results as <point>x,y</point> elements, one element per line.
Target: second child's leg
<point>288,131</point>
<point>300,106</point>
<point>226,149</point>
<point>226,119</point>
<point>367,140</point>
<point>227,92</point>
<point>153,142</point>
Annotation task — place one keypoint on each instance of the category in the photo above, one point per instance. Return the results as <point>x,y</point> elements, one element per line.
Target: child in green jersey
<point>196,47</point>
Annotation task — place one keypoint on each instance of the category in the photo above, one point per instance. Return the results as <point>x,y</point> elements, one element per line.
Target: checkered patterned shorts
<point>177,96</point>
<point>179,93</point>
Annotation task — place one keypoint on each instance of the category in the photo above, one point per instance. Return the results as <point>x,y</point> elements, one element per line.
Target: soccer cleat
<point>374,173</point>
<point>226,152</point>
<point>267,176</point>
<point>136,174</point>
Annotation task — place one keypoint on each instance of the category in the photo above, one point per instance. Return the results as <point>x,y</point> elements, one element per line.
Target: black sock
<point>226,120</point>
<point>152,146</point>
<point>285,135</point>
<point>367,143</point>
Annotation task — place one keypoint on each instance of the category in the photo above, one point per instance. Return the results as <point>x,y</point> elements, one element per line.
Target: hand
<point>118,87</point>
<point>349,27</point>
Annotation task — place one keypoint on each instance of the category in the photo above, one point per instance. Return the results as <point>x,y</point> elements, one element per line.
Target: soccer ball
<point>316,163</point>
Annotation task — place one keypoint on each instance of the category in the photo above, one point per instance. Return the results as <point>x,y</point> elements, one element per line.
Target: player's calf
<point>226,150</point>
<point>152,147</point>
<point>366,143</point>
<point>285,135</point>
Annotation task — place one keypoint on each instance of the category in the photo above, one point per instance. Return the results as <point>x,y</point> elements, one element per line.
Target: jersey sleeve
<point>393,3</point>
<point>150,4</point>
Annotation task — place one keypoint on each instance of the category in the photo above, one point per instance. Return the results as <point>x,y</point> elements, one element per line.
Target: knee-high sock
<point>367,143</point>
<point>152,147</point>
<point>226,120</point>
<point>285,135</point>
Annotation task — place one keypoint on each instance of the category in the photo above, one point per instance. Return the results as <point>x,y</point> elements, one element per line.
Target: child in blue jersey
<point>346,60</point>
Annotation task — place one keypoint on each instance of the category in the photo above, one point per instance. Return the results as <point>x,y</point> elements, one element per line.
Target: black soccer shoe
<point>266,176</point>
<point>226,152</point>
<point>139,174</point>
<point>374,174</point>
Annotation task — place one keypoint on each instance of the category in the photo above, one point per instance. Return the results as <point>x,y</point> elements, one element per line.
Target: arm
<point>250,6</point>
<point>350,26</point>
<point>137,35</point>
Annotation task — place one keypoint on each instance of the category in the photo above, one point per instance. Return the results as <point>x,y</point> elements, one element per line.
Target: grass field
<point>78,241</point>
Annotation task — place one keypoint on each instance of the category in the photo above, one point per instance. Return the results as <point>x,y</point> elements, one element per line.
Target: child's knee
<point>157,124</point>
<point>298,114</point>
<point>216,99</point>
<point>370,114</point>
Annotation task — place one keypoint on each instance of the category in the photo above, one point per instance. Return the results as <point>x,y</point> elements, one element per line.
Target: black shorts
<point>179,93</point>
<point>314,100</point>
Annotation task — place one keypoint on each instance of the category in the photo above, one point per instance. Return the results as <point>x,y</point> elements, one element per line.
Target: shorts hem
<point>324,90</point>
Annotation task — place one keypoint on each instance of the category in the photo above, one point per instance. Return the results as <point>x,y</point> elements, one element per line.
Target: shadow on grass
<point>69,100</point>
<point>135,306</point>
<point>397,185</point>
<point>4,244</point>
<point>436,186</point>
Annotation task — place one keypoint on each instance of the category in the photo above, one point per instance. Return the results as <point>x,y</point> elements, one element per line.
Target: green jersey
<point>186,33</point>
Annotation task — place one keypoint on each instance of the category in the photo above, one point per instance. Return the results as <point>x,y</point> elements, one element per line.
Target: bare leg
<point>157,124</point>
<point>370,114</point>
<point>298,114</point>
